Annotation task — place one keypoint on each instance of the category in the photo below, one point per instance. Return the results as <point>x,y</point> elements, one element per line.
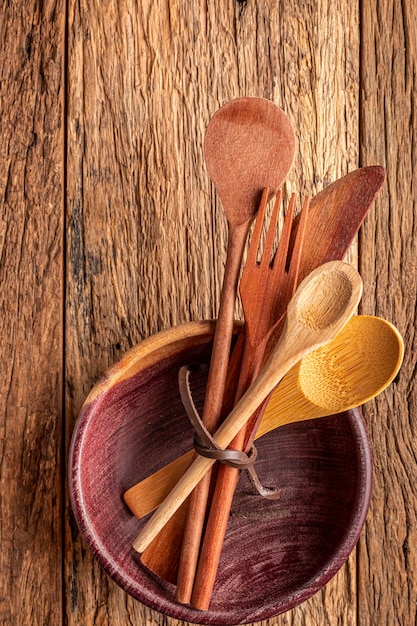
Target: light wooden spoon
<point>357,365</point>
<point>321,306</point>
<point>249,145</point>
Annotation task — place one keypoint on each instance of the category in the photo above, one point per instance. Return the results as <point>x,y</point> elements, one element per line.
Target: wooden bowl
<point>276,553</point>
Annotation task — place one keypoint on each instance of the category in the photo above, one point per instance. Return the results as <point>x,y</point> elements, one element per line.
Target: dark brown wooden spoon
<point>249,145</point>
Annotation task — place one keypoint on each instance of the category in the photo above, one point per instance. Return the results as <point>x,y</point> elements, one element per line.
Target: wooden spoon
<point>249,144</point>
<point>321,306</point>
<point>358,364</point>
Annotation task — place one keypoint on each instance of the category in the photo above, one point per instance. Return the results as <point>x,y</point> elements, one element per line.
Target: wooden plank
<point>388,549</point>
<point>146,234</point>
<point>32,53</point>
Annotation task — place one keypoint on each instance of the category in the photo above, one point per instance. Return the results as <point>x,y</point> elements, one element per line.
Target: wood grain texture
<point>31,329</point>
<point>113,98</point>
<point>388,549</point>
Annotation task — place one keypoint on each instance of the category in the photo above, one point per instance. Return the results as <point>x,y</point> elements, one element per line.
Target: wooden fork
<point>265,289</point>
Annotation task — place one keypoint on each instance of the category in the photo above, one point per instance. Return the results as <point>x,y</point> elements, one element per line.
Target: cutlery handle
<point>212,410</point>
<point>277,366</point>
<point>178,495</point>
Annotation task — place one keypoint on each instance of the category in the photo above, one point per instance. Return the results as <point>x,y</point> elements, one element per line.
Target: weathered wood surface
<point>387,562</point>
<point>31,306</point>
<point>107,216</point>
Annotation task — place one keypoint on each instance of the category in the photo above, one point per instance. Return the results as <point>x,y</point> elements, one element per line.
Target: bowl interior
<point>276,553</point>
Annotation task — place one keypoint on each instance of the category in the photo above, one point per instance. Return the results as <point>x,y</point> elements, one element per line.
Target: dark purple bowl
<point>276,553</point>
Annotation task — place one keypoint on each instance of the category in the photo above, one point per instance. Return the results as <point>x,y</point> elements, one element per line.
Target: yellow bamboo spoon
<point>321,306</point>
<point>357,365</point>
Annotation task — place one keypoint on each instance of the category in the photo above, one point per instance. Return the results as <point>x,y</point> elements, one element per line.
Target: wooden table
<point>110,231</point>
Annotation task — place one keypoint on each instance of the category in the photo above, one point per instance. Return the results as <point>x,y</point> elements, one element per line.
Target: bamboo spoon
<point>321,306</point>
<point>249,144</point>
<point>362,360</point>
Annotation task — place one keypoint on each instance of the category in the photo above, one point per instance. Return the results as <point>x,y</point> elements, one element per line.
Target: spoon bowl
<point>249,145</point>
<point>349,373</point>
<point>357,365</point>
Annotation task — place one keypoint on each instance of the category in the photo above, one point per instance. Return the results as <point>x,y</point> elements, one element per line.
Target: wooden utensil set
<point>296,298</point>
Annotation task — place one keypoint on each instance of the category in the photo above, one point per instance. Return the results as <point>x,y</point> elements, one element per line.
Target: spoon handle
<point>277,366</point>
<point>322,305</point>
<point>212,409</point>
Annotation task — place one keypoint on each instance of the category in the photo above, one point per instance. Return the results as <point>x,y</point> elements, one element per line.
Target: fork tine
<point>270,235</point>
<point>284,242</point>
<point>294,263</point>
<point>256,235</point>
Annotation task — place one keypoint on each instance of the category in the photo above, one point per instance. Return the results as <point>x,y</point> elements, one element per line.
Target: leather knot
<point>206,446</point>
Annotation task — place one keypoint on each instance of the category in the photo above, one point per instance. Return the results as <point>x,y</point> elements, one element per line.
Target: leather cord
<point>205,445</point>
